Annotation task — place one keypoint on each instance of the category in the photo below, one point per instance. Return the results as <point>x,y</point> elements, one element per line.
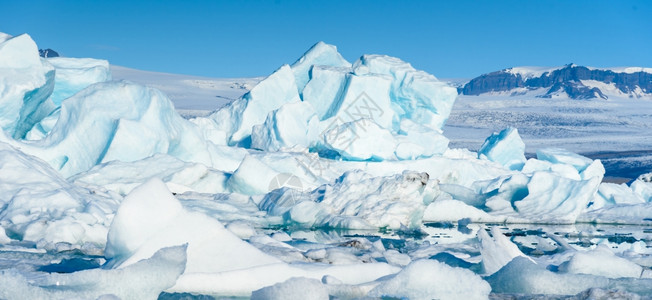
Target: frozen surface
<point>191,95</point>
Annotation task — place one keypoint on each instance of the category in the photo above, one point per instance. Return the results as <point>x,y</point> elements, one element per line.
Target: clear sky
<point>450,39</point>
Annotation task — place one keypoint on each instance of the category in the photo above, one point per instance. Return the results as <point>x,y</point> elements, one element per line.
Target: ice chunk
<point>523,276</point>
<point>642,186</point>
<point>108,121</point>
<point>505,148</point>
<point>602,262</point>
<point>430,279</point>
<point>254,177</point>
<point>497,251</point>
<point>38,205</point>
<point>562,156</point>
<point>74,74</point>
<point>420,96</point>
<point>26,82</point>
<point>243,282</point>
<point>238,118</point>
<point>620,214</point>
<point>555,199</point>
<point>448,210</point>
<point>150,218</point>
<point>618,194</point>
<point>357,200</point>
<point>298,288</point>
<point>143,280</point>
<point>320,54</point>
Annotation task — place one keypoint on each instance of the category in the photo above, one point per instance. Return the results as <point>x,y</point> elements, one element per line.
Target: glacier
<point>328,174</point>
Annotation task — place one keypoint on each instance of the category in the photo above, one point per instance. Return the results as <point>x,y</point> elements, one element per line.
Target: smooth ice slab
<point>150,218</point>
<point>505,148</point>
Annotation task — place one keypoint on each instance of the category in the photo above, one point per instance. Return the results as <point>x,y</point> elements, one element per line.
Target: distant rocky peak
<point>48,53</point>
<point>571,80</point>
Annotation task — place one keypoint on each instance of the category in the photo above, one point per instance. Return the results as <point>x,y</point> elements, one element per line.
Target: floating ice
<point>601,262</point>
<point>505,148</point>
<point>150,218</point>
<point>145,279</point>
<point>430,279</point>
<point>293,288</point>
<point>522,275</point>
<point>38,205</point>
<point>356,200</point>
<point>497,251</point>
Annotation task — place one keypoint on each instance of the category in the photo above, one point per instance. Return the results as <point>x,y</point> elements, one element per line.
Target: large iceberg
<point>323,102</point>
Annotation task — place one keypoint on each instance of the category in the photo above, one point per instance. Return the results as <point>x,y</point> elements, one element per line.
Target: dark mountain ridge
<point>567,79</point>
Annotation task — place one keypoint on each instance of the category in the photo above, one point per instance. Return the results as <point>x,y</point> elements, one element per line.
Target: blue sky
<point>450,39</point>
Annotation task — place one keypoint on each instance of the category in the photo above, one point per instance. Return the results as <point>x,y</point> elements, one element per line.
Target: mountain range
<point>572,81</point>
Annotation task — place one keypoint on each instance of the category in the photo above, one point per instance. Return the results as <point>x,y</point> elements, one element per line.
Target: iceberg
<point>505,148</point>
<point>116,121</point>
<point>322,98</point>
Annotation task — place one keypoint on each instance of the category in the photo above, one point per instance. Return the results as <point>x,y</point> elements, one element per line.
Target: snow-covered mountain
<point>47,53</point>
<point>572,81</point>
